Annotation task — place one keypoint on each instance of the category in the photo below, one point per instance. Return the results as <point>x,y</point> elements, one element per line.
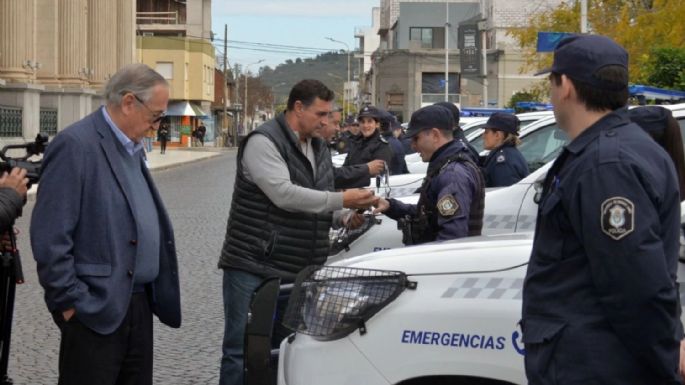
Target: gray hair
<point>138,79</point>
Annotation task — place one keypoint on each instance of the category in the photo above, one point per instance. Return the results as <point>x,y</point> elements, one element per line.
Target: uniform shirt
<point>398,165</point>
<point>456,183</point>
<point>600,299</point>
<point>504,166</point>
<point>368,149</point>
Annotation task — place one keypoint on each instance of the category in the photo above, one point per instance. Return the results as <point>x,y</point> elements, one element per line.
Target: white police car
<point>507,210</point>
<point>439,313</point>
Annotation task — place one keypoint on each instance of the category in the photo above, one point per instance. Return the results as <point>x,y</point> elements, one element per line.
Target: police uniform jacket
<point>452,194</point>
<point>368,149</point>
<point>459,135</point>
<point>398,165</point>
<point>600,299</point>
<point>504,166</point>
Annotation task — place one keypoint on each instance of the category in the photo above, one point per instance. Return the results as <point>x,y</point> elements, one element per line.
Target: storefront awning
<point>184,109</point>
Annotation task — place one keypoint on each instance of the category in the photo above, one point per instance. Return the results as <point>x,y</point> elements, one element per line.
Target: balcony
<point>359,31</point>
<point>171,22</point>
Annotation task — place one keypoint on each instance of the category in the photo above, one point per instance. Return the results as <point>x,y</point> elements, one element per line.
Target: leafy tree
<point>638,25</point>
<point>667,68</point>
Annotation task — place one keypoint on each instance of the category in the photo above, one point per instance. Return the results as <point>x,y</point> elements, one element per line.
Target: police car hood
<point>472,254</point>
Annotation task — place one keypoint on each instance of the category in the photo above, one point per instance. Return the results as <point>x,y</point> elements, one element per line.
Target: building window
<point>166,69</point>
<point>430,37</point>
<point>48,121</point>
<point>10,122</point>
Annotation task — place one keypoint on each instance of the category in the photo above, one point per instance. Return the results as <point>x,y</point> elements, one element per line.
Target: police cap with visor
<point>580,57</point>
<point>371,112</point>
<point>501,121</point>
<point>429,117</point>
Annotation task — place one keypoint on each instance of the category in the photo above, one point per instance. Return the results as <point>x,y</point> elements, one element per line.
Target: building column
<point>17,40</point>
<point>73,31</point>
<point>102,40</point>
<point>125,31</point>
<point>48,43</point>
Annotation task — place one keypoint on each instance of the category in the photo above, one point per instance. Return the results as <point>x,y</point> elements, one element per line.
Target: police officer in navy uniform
<point>600,298</point>
<point>458,133</point>
<point>371,145</point>
<point>504,165</point>
<point>453,191</point>
<point>348,136</point>
<point>398,165</point>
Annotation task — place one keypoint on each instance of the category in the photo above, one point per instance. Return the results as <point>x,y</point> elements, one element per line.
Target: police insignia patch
<point>617,217</point>
<point>448,206</point>
<point>500,159</point>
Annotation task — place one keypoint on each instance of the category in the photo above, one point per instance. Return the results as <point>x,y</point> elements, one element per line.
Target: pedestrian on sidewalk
<point>163,135</point>
<point>102,239</point>
<point>284,183</point>
<point>200,134</point>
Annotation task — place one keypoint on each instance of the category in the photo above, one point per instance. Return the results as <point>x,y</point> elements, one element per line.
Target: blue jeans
<point>238,288</point>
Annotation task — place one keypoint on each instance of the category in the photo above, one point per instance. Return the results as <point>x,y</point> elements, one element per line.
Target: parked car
<point>439,313</point>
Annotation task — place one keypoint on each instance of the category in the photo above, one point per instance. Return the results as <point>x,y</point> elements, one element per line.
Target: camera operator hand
<point>16,180</point>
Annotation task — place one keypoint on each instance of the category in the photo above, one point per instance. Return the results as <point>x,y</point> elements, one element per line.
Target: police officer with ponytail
<point>504,165</point>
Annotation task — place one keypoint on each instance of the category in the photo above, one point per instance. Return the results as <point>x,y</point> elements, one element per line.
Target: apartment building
<point>174,37</point>
<point>407,71</point>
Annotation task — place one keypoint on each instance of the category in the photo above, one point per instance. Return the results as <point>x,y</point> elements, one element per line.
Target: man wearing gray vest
<point>282,210</point>
<point>102,240</point>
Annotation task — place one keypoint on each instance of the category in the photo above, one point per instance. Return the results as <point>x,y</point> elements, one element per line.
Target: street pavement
<point>196,186</point>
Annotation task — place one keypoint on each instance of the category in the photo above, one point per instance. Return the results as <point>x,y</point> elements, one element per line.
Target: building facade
<point>408,69</point>
<point>55,57</point>
<point>174,38</point>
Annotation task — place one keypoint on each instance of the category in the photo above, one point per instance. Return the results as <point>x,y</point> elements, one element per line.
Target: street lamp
<point>345,111</point>
<point>245,107</point>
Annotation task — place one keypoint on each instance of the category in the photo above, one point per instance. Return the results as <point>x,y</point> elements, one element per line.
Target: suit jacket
<point>83,231</point>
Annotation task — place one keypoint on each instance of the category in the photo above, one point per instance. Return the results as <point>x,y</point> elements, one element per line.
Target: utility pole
<point>447,50</point>
<point>225,121</point>
<point>484,50</point>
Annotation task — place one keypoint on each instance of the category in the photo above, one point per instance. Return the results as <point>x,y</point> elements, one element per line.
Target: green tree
<point>666,68</point>
<point>638,25</point>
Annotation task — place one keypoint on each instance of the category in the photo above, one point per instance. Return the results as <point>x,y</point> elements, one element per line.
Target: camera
<point>32,167</point>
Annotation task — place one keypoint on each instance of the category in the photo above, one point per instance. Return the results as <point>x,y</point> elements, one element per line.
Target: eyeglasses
<point>156,116</point>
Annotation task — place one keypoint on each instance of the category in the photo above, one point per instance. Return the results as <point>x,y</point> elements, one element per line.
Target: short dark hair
<point>600,99</point>
<point>306,91</point>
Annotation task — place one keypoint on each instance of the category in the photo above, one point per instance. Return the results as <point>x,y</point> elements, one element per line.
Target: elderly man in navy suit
<point>102,239</point>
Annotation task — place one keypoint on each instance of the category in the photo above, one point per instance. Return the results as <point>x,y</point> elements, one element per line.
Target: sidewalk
<point>173,157</point>
<point>179,156</point>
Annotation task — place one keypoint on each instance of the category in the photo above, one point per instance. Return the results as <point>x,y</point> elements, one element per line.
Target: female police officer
<point>504,165</point>
<point>371,145</point>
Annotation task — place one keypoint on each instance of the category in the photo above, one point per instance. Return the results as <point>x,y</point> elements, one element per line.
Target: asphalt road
<point>197,197</point>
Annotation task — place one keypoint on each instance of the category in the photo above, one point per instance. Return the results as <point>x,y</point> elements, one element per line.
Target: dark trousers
<point>162,145</point>
<point>121,358</point>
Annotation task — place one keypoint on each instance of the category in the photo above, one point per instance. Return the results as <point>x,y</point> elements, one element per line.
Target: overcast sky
<point>295,23</point>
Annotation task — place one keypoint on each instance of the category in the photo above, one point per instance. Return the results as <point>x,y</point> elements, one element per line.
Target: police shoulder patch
<point>500,158</point>
<point>448,206</point>
<point>617,217</point>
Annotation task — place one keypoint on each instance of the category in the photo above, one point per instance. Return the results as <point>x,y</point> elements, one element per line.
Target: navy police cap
<point>430,117</point>
<point>501,121</point>
<point>370,111</point>
<point>580,57</point>
<point>653,119</point>
<point>454,110</point>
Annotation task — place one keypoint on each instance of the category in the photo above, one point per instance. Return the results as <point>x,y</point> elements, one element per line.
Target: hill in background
<point>329,68</point>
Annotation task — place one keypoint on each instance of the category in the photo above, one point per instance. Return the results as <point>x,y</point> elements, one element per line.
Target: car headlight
<point>330,302</point>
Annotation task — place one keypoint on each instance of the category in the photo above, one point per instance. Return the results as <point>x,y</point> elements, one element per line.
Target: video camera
<point>32,167</point>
